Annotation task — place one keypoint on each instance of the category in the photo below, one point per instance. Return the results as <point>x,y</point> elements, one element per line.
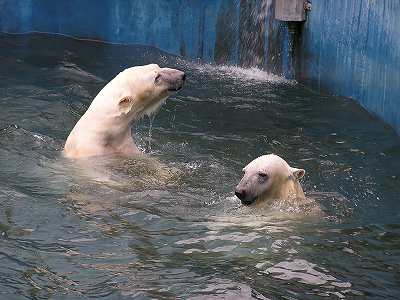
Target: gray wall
<point>349,47</point>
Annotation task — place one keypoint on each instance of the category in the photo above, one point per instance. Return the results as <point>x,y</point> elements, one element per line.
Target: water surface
<point>66,233</point>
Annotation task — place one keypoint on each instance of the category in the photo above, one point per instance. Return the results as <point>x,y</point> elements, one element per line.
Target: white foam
<point>244,74</point>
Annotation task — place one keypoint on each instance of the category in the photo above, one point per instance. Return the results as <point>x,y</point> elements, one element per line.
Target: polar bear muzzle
<point>174,79</point>
<point>246,196</point>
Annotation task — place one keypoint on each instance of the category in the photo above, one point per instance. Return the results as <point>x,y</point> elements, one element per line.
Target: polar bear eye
<point>263,175</point>
<point>158,78</point>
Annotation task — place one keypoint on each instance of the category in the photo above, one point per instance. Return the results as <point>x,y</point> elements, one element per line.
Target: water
<point>136,228</point>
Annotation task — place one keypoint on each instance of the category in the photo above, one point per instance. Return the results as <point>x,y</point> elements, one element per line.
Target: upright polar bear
<point>105,128</point>
<point>269,178</point>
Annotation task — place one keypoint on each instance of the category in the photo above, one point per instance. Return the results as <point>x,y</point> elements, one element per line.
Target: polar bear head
<point>137,91</point>
<point>268,178</point>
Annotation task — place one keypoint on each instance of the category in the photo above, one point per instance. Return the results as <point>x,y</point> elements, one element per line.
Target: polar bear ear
<point>298,173</point>
<point>125,104</point>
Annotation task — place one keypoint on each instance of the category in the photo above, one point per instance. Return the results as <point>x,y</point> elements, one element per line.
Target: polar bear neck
<point>109,130</point>
<point>289,189</point>
<point>100,134</point>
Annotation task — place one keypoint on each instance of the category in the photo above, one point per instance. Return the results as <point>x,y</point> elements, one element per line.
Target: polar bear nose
<point>173,78</point>
<point>240,193</point>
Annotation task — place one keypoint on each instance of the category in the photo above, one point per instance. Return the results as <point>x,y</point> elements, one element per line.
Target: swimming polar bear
<point>268,180</point>
<point>105,128</point>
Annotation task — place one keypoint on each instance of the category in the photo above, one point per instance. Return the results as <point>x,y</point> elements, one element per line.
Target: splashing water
<point>244,75</point>
<point>151,121</point>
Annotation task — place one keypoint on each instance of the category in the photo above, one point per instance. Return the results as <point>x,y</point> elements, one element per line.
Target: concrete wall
<point>222,31</point>
<point>349,47</point>
<point>352,48</point>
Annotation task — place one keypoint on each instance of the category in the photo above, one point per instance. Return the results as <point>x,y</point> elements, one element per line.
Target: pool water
<point>137,235</point>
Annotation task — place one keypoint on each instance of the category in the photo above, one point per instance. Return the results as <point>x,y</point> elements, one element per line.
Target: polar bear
<point>105,128</point>
<point>268,179</point>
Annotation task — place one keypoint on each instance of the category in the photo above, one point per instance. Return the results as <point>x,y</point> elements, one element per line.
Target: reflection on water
<point>168,225</point>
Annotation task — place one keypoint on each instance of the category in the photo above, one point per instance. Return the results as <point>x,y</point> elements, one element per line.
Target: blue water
<point>119,230</point>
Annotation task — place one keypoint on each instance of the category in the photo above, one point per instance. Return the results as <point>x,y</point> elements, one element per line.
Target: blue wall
<point>349,47</point>
<point>222,31</point>
<point>352,48</point>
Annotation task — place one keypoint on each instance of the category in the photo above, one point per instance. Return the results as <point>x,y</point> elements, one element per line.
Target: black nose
<point>241,194</point>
